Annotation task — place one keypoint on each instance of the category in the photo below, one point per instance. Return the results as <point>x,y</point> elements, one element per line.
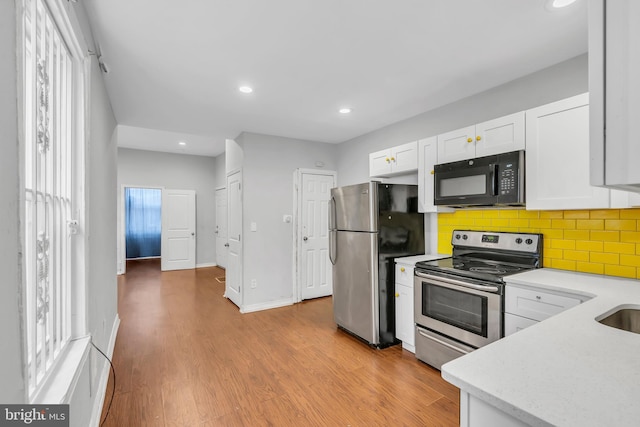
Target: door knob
<point>226,245</point>
<point>193,234</point>
<point>305,238</point>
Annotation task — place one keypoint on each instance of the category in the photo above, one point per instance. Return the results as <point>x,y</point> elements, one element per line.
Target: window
<point>53,164</point>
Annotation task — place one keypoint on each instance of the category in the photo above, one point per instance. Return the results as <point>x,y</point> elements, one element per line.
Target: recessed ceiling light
<point>182,143</point>
<point>344,110</point>
<point>245,89</point>
<point>561,3</point>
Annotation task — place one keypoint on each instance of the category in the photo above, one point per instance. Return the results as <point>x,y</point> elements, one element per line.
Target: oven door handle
<point>486,288</point>
<point>446,344</point>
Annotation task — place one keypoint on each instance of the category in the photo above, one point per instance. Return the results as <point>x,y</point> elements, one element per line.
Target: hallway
<point>185,356</point>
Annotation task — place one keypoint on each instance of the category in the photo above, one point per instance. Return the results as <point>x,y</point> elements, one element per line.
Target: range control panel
<point>523,242</point>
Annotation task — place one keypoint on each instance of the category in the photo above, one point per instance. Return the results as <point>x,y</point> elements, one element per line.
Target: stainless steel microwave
<point>496,180</point>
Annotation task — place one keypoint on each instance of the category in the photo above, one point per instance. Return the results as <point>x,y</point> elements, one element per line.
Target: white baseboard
<point>104,376</point>
<point>206,264</point>
<point>266,305</point>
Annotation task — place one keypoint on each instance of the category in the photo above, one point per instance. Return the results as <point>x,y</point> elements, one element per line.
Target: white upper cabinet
<point>500,135</point>
<point>557,159</point>
<point>396,160</point>
<point>427,159</point>
<point>457,145</point>
<point>495,136</point>
<point>614,86</point>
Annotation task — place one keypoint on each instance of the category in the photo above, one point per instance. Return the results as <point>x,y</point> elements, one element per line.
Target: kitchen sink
<point>627,319</point>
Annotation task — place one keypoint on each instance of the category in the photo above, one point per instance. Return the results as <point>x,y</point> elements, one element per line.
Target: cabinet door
<point>404,158</point>
<point>622,92</point>
<point>404,275</point>
<point>405,330</point>
<point>380,163</point>
<point>500,135</point>
<point>513,323</point>
<point>427,158</point>
<point>624,199</point>
<point>457,145</point>
<point>557,160</point>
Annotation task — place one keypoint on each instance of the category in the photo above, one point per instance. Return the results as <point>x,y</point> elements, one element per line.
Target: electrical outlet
<point>254,283</point>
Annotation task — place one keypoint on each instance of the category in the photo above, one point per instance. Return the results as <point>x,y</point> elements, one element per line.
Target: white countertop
<point>568,370</point>
<point>411,260</point>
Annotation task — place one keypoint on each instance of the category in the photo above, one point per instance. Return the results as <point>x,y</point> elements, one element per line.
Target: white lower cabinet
<point>477,412</point>
<point>526,306</point>
<point>405,323</point>
<point>513,323</point>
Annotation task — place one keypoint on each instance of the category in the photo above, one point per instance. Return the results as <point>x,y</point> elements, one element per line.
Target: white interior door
<point>314,266</point>
<point>221,227</point>
<point>233,288</point>
<point>178,248</point>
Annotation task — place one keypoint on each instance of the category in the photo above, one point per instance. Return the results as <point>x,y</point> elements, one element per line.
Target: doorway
<point>176,232</point>
<point>313,273</point>
<point>233,288</point>
<point>221,227</point>
<point>142,222</point>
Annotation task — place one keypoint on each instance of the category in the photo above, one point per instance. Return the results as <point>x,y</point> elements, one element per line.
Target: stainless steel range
<point>459,301</point>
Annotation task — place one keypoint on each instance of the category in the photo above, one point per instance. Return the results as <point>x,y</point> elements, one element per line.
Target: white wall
<point>100,228</point>
<point>139,168</point>
<point>268,166</point>
<point>11,378</point>
<point>551,84</point>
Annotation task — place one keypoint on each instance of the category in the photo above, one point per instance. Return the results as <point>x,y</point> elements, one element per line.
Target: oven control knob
<point>458,236</point>
<point>528,241</point>
<point>518,240</point>
<point>465,237</point>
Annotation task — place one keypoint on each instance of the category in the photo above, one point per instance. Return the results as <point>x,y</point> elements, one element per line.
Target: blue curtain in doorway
<point>143,223</point>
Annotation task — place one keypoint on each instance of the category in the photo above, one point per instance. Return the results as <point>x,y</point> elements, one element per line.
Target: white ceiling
<point>175,66</point>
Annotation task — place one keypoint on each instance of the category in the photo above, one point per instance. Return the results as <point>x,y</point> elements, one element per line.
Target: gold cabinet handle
<point>393,159</point>
<point>478,138</point>
<point>402,269</point>
<point>387,159</point>
<point>469,139</point>
<point>397,295</point>
<point>433,172</point>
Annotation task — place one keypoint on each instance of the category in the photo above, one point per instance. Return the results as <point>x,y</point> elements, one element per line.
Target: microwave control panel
<point>508,177</point>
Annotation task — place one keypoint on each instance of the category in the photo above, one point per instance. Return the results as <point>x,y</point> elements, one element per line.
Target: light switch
<point>254,226</point>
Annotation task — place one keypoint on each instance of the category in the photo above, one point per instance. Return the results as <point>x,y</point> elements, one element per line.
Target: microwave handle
<point>494,178</point>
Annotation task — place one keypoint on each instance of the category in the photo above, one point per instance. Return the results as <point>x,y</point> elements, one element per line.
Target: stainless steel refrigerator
<point>370,225</point>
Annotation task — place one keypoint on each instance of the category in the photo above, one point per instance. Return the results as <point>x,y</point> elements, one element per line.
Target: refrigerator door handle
<point>333,249</point>
<point>332,213</point>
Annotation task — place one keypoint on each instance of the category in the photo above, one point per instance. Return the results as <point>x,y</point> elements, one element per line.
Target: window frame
<point>60,377</point>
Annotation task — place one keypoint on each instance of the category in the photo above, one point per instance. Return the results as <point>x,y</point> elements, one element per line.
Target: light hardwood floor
<point>185,356</point>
